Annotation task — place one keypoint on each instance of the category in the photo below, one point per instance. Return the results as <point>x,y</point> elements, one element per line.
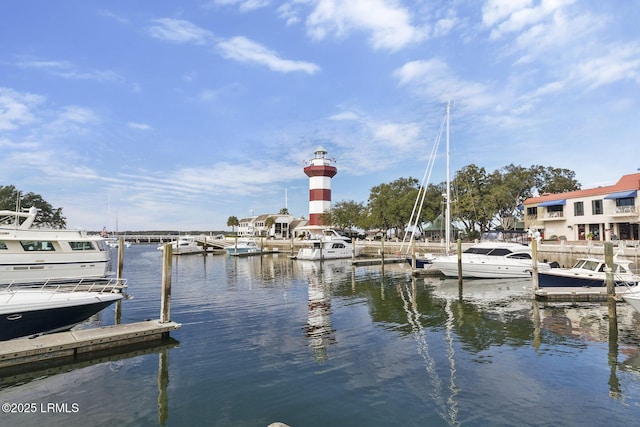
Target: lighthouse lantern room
<point>320,171</point>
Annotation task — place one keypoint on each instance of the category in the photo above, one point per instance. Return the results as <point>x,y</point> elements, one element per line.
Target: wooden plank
<point>70,344</point>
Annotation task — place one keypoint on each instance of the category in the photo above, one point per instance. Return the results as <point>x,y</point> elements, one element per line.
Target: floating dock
<point>576,294</point>
<point>73,344</point>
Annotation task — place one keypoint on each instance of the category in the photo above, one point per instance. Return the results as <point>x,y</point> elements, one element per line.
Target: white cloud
<point>346,115</point>
<point>243,5</point>
<point>388,24</point>
<point>68,70</point>
<point>139,126</point>
<point>244,50</point>
<point>619,63</point>
<point>179,31</point>
<point>16,109</point>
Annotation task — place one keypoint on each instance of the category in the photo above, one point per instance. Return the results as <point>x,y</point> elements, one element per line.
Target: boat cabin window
<point>617,268</point>
<point>37,245</point>
<point>3,245</point>
<point>81,246</point>
<point>500,252</point>
<point>590,265</point>
<point>521,255</point>
<point>478,251</point>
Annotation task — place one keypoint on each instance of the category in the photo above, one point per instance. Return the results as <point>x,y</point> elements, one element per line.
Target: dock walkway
<point>69,345</point>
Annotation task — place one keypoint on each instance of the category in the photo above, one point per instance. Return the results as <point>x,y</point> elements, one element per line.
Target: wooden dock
<point>377,261</point>
<point>576,294</point>
<point>73,344</point>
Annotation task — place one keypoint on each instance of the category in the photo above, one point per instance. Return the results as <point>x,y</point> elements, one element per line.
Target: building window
<point>627,201</point>
<point>532,211</point>
<point>578,209</point>
<point>596,207</point>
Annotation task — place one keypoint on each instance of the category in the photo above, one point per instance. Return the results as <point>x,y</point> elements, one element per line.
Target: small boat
<point>329,245</point>
<point>29,254</point>
<point>113,242</point>
<point>244,247</point>
<point>491,260</point>
<point>588,273</point>
<point>30,311</point>
<point>185,245</point>
<point>633,298</point>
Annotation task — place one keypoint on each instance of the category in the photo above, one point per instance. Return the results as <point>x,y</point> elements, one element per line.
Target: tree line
<point>480,200</point>
<point>48,216</point>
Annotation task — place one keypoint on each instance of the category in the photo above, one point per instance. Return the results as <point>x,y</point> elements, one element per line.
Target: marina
<point>267,338</point>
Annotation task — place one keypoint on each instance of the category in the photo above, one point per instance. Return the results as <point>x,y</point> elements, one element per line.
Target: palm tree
<point>233,222</point>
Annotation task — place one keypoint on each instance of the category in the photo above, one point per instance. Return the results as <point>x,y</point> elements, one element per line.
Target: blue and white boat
<point>244,247</point>
<point>588,272</point>
<point>31,311</point>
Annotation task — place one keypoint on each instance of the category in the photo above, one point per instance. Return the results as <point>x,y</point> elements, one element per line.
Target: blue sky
<point>177,115</point>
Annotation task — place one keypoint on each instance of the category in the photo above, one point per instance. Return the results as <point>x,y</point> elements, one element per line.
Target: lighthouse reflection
<point>318,328</point>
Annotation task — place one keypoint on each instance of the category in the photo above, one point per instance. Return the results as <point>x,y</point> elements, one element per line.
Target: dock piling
<point>165,304</point>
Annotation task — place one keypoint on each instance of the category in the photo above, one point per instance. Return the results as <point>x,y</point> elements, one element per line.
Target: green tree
<point>554,180</point>
<point>390,205</point>
<point>233,222</point>
<point>48,216</point>
<point>347,214</point>
<point>472,208</point>
<point>268,223</point>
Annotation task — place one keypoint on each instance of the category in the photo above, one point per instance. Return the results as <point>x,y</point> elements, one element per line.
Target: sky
<point>166,115</point>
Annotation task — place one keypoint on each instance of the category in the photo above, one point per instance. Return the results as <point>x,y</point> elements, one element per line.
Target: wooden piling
<point>534,255</point>
<point>165,303</point>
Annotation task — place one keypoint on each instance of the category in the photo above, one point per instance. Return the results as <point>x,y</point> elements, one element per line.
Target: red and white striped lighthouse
<point>320,171</point>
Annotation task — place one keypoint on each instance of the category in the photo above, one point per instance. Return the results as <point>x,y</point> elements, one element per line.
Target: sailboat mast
<point>448,208</point>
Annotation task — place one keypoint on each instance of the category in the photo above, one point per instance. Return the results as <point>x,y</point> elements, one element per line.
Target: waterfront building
<point>602,213</point>
<point>258,226</point>
<point>320,171</point>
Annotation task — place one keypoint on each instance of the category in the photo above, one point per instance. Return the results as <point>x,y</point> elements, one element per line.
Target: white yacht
<point>328,245</point>
<point>491,260</point>
<point>30,254</point>
<point>185,245</point>
<point>243,247</point>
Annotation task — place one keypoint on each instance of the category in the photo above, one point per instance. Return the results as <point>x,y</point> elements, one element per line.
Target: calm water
<point>272,339</point>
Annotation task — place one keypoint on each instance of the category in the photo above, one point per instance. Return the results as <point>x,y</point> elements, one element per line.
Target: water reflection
<point>269,338</point>
<point>445,400</point>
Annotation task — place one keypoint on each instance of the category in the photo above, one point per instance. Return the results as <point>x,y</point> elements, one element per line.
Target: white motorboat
<point>633,298</point>
<point>328,245</point>
<point>29,254</point>
<point>185,245</point>
<point>29,311</point>
<point>588,273</point>
<point>491,260</point>
<point>243,247</point>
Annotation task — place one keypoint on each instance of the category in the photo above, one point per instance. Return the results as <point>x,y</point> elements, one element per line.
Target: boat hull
<point>49,312</point>
<point>424,263</point>
<point>562,279</point>
<point>633,299</point>
<point>317,254</point>
<point>484,269</point>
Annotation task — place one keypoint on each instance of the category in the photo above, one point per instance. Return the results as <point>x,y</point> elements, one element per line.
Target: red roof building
<point>604,213</point>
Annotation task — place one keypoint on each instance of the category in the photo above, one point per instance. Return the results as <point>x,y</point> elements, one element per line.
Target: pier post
<point>608,260</point>
<point>534,256</point>
<point>459,253</point>
<point>413,254</point>
<point>119,277</point>
<point>382,245</point>
<point>165,304</point>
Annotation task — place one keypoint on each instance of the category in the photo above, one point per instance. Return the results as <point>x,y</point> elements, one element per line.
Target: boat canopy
<point>622,194</point>
<point>559,202</point>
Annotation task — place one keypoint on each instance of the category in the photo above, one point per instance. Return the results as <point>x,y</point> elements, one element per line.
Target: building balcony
<point>552,216</point>
<point>623,211</point>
